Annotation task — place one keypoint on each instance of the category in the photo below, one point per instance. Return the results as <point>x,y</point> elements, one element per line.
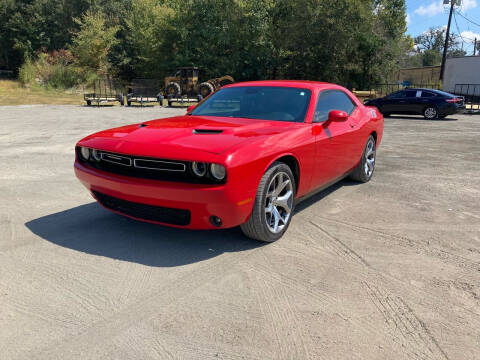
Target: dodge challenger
<point>244,156</point>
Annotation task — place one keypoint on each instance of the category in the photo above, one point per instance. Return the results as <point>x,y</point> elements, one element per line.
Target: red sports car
<point>243,156</point>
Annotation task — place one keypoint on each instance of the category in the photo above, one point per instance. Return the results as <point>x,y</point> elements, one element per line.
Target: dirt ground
<point>384,270</point>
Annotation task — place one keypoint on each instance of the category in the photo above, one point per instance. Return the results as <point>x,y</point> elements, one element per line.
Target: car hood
<point>183,135</point>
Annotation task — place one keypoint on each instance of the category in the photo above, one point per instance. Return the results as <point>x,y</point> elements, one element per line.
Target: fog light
<point>215,221</point>
<point>85,152</point>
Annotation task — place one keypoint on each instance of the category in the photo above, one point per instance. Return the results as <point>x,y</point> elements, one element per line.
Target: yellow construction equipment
<point>184,82</point>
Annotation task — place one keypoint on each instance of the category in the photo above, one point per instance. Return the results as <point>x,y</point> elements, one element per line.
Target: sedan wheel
<point>364,171</point>
<point>430,113</point>
<point>274,205</point>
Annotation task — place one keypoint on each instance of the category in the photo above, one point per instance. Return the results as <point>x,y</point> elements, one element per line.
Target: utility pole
<point>475,48</point>
<point>445,48</point>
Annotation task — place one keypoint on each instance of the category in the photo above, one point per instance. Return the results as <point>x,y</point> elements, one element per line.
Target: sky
<point>423,14</point>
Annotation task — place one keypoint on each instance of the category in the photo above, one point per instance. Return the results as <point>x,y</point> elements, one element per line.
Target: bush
<point>62,77</point>
<point>26,73</point>
<point>52,70</point>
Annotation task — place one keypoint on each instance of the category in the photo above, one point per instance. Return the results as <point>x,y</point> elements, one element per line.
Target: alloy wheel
<point>278,202</point>
<point>370,158</point>
<point>430,113</point>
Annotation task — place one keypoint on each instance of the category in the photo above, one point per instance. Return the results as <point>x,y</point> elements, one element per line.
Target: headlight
<point>218,171</point>
<point>85,152</point>
<point>97,155</point>
<point>199,168</point>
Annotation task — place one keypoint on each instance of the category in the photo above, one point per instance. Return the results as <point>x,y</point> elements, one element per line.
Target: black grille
<point>147,168</point>
<point>146,212</point>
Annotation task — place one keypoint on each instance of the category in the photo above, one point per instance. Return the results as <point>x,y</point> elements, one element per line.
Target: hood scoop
<point>207,131</point>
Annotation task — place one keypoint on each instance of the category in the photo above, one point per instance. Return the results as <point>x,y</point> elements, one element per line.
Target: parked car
<point>432,104</point>
<point>243,156</point>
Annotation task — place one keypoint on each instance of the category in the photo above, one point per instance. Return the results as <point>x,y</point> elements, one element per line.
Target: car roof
<point>436,91</point>
<point>287,83</point>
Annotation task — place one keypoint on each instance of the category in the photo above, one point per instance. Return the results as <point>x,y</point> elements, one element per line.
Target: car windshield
<point>257,102</point>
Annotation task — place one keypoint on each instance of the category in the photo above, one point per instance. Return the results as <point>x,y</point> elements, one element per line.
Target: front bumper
<point>232,206</point>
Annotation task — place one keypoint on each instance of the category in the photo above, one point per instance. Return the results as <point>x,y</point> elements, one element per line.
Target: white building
<point>461,74</point>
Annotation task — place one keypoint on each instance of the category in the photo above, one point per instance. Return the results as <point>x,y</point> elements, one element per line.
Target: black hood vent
<point>207,131</point>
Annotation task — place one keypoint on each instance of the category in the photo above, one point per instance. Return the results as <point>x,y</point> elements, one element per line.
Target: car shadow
<point>418,118</point>
<point>304,204</point>
<point>93,230</point>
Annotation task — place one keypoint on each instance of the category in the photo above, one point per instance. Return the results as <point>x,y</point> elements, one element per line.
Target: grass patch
<point>13,93</point>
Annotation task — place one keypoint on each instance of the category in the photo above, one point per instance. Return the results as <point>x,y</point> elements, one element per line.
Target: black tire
<point>360,173</point>
<point>256,227</point>
<point>89,103</point>
<point>225,82</point>
<point>430,112</point>
<point>205,89</point>
<point>173,90</point>
<point>129,103</point>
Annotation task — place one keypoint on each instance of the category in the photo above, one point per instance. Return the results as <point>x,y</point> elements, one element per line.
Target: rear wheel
<point>274,204</point>
<point>430,112</point>
<point>364,171</point>
<point>89,103</point>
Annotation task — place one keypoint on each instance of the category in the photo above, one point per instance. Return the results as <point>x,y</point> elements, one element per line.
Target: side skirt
<point>323,187</point>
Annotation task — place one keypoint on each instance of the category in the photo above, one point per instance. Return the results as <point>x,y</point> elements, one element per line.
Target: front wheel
<point>274,204</point>
<point>364,171</point>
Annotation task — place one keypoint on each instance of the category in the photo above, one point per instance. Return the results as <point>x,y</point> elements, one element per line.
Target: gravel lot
<point>384,270</point>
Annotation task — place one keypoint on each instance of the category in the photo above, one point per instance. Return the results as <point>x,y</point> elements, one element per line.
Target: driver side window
<point>329,100</point>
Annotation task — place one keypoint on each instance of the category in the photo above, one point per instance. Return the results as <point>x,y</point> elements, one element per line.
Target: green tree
<point>431,43</point>
<point>92,43</point>
<point>148,35</point>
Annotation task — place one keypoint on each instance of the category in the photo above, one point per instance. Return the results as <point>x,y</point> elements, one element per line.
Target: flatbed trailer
<point>105,90</point>
<point>184,101</point>
<point>144,91</point>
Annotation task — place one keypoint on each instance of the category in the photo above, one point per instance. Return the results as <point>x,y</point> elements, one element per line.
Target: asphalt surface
<point>384,270</point>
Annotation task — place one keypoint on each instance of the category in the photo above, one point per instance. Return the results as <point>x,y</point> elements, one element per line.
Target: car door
<point>408,103</point>
<point>334,141</point>
<point>398,101</point>
<point>425,98</point>
<point>389,102</point>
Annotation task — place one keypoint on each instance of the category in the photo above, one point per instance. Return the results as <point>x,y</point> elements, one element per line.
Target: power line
<point>470,42</point>
<point>463,16</point>
<point>458,29</point>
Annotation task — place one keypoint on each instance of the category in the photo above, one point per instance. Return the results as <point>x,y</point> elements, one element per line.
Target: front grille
<point>145,212</point>
<point>147,168</point>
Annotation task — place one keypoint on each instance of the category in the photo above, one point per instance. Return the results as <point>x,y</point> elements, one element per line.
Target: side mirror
<point>337,115</point>
<point>190,108</point>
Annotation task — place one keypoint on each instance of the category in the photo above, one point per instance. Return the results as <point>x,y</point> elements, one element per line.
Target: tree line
<point>352,42</point>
